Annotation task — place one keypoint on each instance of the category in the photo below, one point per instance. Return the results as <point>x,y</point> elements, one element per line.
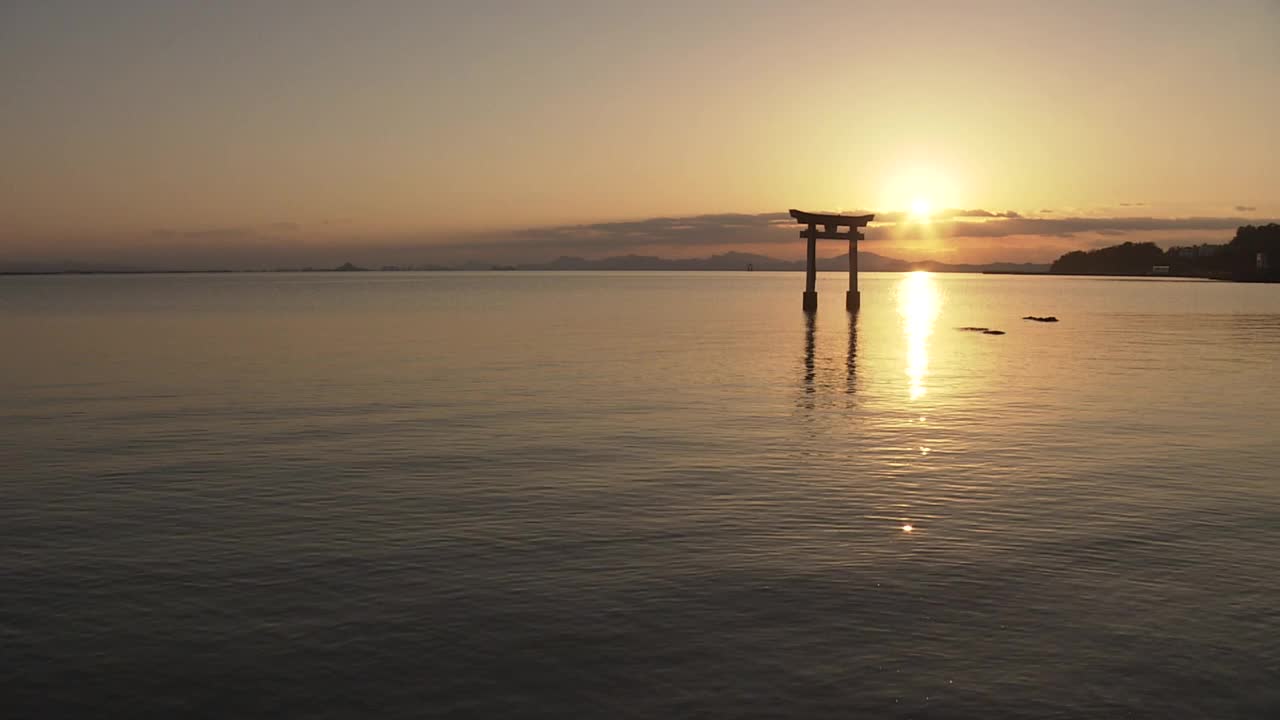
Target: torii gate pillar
<point>830,231</point>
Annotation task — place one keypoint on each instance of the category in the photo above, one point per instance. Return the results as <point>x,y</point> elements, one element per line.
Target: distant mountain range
<point>867,262</point>
<point>64,266</point>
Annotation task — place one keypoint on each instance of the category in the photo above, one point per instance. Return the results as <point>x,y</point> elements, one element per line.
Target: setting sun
<point>920,190</point>
<point>921,208</point>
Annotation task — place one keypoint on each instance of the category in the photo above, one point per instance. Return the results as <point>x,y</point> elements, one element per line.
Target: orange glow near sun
<point>919,190</point>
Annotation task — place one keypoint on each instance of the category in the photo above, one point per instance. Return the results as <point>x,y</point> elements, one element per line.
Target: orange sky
<point>245,134</point>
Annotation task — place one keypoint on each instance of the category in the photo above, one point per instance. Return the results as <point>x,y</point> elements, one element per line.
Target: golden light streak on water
<point>918,304</point>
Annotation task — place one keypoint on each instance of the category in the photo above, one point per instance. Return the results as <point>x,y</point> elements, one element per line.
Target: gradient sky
<point>247,134</point>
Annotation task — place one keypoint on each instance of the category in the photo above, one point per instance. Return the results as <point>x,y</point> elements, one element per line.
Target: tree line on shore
<point>1253,254</point>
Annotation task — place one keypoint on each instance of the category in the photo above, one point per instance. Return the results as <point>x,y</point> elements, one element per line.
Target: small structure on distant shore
<point>830,231</point>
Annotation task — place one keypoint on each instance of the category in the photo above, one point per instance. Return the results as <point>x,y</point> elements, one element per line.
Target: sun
<point>921,208</point>
<point>920,191</point>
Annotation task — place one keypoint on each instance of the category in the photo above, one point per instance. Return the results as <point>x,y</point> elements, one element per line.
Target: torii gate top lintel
<point>830,231</point>
<point>849,221</point>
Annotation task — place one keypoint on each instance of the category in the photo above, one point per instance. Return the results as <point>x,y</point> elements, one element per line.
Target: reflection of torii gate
<point>830,224</point>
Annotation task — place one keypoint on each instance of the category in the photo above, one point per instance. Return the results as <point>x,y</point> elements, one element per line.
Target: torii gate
<point>830,224</point>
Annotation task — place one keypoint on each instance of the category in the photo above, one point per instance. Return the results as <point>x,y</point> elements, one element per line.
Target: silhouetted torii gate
<point>830,225</point>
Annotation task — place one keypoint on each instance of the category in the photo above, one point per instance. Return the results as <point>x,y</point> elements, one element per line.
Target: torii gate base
<point>852,299</point>
<point>829,231</point>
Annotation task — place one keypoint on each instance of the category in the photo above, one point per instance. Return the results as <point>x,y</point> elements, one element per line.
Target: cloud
<point>1072,225</point>
<point>987,223</point>
<point>233,234</point>
<point>669,236</point>
<point>960,230</point>
<point>944,214</point>
<point>977,213</point>
<point>714,229</point>
<point>1245,208</point>
<point>769,228</point>
<point>1138,204</point>
<point>227,235</point>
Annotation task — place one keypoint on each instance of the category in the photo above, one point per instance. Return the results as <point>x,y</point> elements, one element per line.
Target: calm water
<point>638,495</point>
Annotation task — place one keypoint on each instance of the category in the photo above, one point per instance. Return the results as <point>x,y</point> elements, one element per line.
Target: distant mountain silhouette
<point>64,266</point>
<point>867,262</point>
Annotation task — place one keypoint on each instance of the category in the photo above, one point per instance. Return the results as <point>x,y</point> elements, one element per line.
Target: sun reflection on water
<point>918,304</point>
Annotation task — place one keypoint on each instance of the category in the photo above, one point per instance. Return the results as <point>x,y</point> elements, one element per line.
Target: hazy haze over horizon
<point>183,134</point>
